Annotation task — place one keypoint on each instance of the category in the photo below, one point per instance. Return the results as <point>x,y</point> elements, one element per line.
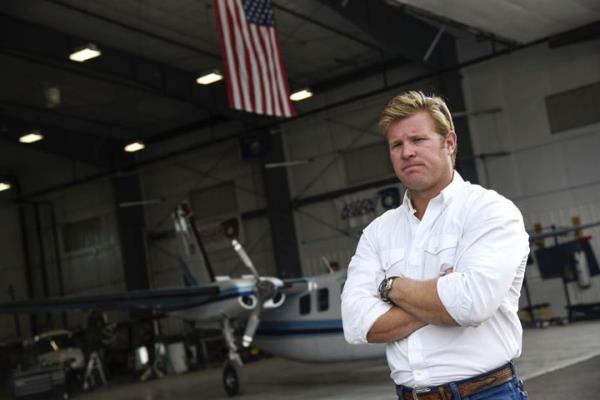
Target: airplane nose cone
<point>265,290</point>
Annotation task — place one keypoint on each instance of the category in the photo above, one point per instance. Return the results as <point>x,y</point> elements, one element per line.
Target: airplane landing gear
<point>234,378</point>
<point>234,375</point>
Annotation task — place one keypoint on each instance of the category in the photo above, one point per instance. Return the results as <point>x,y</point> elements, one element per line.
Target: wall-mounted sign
<point>357,210</point>
<point>217,234</point>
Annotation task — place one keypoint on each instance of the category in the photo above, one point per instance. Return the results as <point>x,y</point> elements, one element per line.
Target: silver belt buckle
<point>419,390</point>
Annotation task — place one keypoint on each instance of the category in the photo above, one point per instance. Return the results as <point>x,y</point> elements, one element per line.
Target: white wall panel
<point>550,177</point>
<point>581,159</point>
<point>97,269</point>
<point>173,180</point>
<point>90,271</point>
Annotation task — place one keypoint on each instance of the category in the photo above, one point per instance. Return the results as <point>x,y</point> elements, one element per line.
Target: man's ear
<point>451,142</point>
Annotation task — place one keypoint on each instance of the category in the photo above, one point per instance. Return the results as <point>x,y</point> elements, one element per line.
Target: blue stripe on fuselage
<point>311,327</point>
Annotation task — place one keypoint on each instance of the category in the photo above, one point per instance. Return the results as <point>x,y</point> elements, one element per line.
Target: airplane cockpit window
<point>305,304</point>
<point>323,299</point>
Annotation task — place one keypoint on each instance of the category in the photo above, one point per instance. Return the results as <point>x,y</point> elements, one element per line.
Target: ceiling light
<point>4,186</point>
<point>301,95</point>
<point>135,146</point>
<point>211,77</point>
<point>292,163</point>
<point>85,53</point>
<point>32,137</point>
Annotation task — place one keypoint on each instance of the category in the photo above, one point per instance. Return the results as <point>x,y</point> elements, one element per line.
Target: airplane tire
<point>234,378</point>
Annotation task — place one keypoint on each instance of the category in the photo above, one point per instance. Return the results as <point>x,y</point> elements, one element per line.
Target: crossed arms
<point>489,266</point>
<point>416,305</point>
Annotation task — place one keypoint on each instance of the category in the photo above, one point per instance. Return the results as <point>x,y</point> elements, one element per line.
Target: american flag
<point>255,74</point>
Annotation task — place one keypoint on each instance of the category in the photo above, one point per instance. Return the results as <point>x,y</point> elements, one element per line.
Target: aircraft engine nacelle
<point>276,301</point>
<point>248,302</point>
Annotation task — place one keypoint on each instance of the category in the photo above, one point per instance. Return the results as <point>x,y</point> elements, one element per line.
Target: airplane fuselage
<point>308,326</point>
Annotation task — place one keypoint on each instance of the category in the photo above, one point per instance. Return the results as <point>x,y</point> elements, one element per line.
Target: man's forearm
<point>394,325</point>
<point>420,298</point>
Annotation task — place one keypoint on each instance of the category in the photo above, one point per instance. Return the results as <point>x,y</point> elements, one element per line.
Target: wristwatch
<point>384,288</point>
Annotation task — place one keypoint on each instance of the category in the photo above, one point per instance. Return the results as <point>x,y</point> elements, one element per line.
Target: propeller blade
<point>265,290</point>
<point>251,326</point>
<point>245,259</point>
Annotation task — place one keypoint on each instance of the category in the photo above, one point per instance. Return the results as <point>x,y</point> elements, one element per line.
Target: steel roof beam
<point>397,32</point>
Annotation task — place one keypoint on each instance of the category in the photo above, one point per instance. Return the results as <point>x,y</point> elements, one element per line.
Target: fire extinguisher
<point>582,271</point>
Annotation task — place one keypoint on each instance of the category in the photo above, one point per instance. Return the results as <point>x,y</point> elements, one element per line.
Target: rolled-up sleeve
<point>491,256</point>
<point>361,306</point>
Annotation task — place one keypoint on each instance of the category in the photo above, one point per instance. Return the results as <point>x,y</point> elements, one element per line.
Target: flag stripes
<point>256,78</point>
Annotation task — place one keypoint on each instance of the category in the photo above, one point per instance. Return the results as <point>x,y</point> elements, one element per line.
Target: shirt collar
<point>446,195</point>
<point>406,202</point>
<point>450,191</point>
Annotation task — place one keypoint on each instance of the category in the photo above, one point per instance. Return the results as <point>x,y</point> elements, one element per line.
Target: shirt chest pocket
<point>440,252</point>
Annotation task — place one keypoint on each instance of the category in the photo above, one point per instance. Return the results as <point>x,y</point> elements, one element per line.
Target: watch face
<point>382,289</point>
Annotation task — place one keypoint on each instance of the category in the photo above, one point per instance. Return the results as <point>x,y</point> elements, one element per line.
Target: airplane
<point>298,318</point>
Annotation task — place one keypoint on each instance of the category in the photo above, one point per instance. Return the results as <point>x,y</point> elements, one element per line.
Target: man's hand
<point>446,269</point>
<point>420,298</point>
<point>416,305</point>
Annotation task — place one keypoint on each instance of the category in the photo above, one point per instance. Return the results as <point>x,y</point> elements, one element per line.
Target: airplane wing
<point>233,297</point>
<point>158,299</point>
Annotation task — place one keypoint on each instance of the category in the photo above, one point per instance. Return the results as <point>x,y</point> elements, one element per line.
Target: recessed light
<point>211,77</point>
<point>32,137</point>
<point>85,53</point>
<point>291,163</point>
<point>135,146</point>
<point>4,186</point>
<point>301,95</point>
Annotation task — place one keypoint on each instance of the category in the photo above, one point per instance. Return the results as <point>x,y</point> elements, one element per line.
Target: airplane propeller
<point>265,290</point>
<point>237,246</point>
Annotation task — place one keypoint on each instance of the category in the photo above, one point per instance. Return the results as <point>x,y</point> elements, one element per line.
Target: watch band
<point>384,289</point>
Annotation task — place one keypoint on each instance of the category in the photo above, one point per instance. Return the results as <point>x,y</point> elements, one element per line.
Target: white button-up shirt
<point>481,235</point>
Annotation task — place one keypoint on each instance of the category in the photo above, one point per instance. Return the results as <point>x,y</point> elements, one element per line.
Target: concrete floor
<point>557,363</point>
<point>579,381</point>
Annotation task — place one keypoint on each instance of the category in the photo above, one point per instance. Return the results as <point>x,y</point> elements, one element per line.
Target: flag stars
<point>259,12</point>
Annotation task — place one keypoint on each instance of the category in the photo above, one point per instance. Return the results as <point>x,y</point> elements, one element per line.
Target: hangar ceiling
<point>143,86</point>
<point>521,21</point>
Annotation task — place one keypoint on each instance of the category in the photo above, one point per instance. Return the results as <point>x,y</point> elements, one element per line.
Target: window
<point>81,235</point>
<point>574,108</point>
<point>323,299</point>
<point>305,304</point>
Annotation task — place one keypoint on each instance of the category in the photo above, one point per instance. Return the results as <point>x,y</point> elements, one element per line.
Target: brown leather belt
<point>465,388</point>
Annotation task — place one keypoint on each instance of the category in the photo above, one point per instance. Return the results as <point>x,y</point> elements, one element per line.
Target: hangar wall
<point>197,177</point>
<point>325,140</point>
<point>551,177</point>
<point>548,176</point>
<point>88,266</point>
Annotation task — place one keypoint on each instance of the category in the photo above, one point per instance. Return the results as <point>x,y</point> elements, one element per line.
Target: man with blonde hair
<point>438,279</point>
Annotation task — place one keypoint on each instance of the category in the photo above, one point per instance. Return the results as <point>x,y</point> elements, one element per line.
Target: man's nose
<point>408,151</point>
